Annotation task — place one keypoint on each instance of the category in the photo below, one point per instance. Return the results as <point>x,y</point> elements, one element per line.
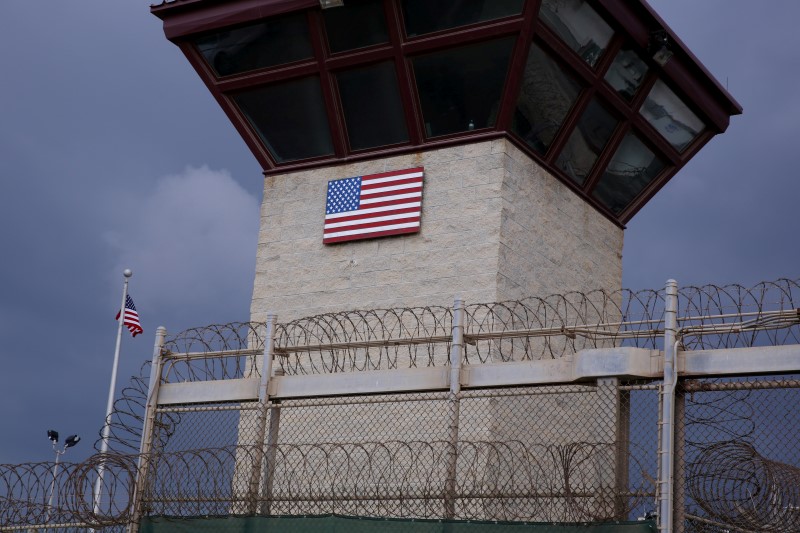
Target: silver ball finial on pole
<point>127,273</point>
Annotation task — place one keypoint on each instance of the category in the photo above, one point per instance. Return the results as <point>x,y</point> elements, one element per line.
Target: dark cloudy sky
<point>113,155</point>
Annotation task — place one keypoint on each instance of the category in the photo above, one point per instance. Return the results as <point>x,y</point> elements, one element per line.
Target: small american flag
<point>377,205</point>
<point>131,319</point>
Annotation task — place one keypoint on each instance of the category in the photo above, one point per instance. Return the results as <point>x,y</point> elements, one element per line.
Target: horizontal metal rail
<point>762,321</point>
<point>219,354</point>
<point>695,386</point>
<point>643,387</point>
<point>377,343</point>
<point>723,527</point>
<point>45,526</point>
<point>570,332</point>
<point>782,312</point>
<point>253,406</point>
<point>582,367</point>
<point>403,495</point>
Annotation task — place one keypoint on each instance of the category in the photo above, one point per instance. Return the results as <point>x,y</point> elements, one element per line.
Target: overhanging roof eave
<point>185,17</point>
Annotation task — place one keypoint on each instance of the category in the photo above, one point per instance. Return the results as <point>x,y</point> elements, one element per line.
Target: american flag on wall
<point>377,205</point>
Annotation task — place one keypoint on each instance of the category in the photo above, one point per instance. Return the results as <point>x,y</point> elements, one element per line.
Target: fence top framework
<point>570,338</point>
<point>544,332</point>
<point>555,339</point>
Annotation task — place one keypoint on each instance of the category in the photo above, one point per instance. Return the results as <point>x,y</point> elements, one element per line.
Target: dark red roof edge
<point>735,107</point>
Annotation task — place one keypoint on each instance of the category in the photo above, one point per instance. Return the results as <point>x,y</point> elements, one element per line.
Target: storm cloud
<point>114,155</point>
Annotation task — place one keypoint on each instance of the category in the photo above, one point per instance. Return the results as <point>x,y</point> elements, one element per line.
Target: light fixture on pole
<point>69,442</point>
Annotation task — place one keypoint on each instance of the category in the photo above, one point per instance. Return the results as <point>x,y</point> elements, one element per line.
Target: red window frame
<point>631,21</point>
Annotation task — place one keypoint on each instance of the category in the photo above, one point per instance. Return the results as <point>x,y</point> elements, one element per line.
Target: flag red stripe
<point>393,173</point>
<point>400,231</point>
<point>386,203</point>
<point>355,227</point>
<point>371,215</point>
<point>368,186</point>
<point>391,193</point>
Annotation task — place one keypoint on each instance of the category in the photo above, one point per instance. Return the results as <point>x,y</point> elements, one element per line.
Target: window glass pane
<point>586,142</point>
<point>289,117</point>
<point>545,98</point>
<point>670,116</point>
<point>460,89</point>
<point>626,73</point>
<point>372,108</point>
<point>425,16</point>
<point>356,24</point>
<point>631,169</point>
<point>271,42</point>
<point>579,26</point>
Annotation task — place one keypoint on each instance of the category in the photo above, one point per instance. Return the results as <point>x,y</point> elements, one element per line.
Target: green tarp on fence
<point>348,524</point>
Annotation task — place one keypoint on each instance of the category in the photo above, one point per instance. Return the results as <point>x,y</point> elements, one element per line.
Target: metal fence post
<point>666,446</point>
<point>622,435</point>
<point>263,398</point>
<point>268,476</point>
<point>456,353</point>
<point>146,446</point>
<point>679,500</point>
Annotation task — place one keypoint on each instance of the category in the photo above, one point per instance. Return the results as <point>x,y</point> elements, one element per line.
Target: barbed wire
<point>241,342</point>
<point>557,325</point>
<point>560,325</point>
<point>533,328</point>
<point>127,416</point>
<point>529,329</point>
<point>26,491</point>
<point>736,485</point>
<point>362,340</point>
<point>510,480</point>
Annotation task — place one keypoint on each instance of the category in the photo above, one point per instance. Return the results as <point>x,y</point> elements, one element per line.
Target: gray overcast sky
<point>113,154</point>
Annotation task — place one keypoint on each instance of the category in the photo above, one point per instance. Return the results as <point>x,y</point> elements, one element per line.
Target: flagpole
<point>98,486</point>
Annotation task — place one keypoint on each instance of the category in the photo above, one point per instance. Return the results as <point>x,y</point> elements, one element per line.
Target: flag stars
<point>343,195</point>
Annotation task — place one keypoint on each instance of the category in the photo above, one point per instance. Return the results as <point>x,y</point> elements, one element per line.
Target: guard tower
<point>418,149</point>
<point>539,127</point>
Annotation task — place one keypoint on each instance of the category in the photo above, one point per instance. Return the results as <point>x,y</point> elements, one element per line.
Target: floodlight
<point>69,442</point>
<point>659,46</point>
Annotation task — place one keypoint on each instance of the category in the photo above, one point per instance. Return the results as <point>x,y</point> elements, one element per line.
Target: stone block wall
<point>495,226</point>
<point>551,241</point>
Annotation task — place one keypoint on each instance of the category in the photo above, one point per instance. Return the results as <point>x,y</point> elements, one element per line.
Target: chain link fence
<point>557,454</point>
<point>480,458</point>
<point>739,455</point>
<point>537,454</point>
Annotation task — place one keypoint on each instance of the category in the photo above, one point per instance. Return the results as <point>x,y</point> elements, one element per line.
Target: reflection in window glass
<point>631,169</point>
<point>460,88</point>
<point>356,24</point>
<point>670,116</point>
<point>425,16</point>
<point>626,73</point>
<point>272,42</point>
<point>579,26</point>
<point>289,117</point>
<point>545,98</point>
<point>586,142</point>
<point>372,108</point>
